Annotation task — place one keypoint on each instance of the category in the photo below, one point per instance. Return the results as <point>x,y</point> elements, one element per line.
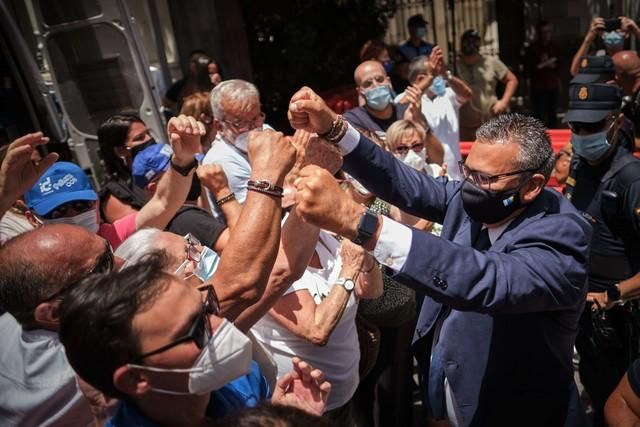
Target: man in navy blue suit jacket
<point>505,283</point>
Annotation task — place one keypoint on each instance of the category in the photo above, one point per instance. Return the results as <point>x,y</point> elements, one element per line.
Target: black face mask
<point>138,148</point>
<point>489,207</point>
<point>469,47</point>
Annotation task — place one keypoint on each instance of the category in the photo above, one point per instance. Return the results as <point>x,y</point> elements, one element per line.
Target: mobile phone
<point>612,24</point>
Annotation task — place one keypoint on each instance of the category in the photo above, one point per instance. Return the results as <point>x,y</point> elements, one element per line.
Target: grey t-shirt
<point>38,386</point>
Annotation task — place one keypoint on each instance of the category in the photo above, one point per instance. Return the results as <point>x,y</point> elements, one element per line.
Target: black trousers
<point>384,397</point>
<point>604,359</point>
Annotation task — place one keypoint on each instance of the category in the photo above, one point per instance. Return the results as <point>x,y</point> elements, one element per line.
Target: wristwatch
<point>613,292</point>
<point>184,170</point>
<point>366,228</point>
<point>346,283</point>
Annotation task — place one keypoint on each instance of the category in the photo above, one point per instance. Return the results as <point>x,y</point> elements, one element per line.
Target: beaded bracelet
<point>229,197</point>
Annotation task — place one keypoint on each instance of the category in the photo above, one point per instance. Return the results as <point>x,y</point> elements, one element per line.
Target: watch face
<point>349,284</point>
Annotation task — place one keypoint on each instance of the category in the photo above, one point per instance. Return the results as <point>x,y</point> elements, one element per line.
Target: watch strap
<point>366,227</point>
<point>184,170</point>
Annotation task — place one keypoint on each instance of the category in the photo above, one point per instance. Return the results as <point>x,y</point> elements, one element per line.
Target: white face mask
<point>413,159</point>
<point>88,220</point>
<point>226,357</point>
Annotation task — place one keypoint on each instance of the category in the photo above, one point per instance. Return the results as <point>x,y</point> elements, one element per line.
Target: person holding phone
<point>612,32</point>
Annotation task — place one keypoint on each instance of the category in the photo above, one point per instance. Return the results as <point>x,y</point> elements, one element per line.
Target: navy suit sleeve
<point>402,186</point>
<point>544,267</point>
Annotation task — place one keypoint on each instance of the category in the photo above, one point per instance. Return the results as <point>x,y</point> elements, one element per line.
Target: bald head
<point>366,69</point>
<point>40,262</point>
<point>627,65</point>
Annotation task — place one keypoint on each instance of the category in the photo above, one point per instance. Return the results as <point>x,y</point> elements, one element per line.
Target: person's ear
<point>217,125</point>
<point>533,188</point>
<point>33,220</point>
<point>151,188</point>
<point>130,381</point>
<point>47,315</point>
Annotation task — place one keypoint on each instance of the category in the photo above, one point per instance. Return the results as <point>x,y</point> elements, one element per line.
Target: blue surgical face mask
<point>378,98</point>
<point>421,32</point>
<point>207,265</point>
<point>613,39</point>
<point>438,86</point>
<point>205,268</point>
<point>591,147</point>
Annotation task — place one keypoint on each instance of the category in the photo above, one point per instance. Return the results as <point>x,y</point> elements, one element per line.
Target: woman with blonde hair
<point>406,141</point>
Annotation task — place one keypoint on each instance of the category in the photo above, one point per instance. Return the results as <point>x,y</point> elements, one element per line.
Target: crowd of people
<point>238,276</point>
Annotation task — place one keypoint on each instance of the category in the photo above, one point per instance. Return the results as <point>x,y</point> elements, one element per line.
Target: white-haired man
<point>236,112</point>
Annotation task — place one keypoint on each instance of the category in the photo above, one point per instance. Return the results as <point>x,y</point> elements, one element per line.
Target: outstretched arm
<point>184,135</point>
<point>18,173</point>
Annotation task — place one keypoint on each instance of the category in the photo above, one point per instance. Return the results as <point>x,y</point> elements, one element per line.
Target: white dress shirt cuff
<point>394,243</point>
<point>349,141</point>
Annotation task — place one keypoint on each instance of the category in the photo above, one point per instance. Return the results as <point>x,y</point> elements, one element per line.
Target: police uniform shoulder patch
<point>583,93</point>
<point>571,181</point>
<point>584,62</point>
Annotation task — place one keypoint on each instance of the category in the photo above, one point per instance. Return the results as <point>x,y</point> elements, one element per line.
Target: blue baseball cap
<point>63,182</point>
<point>150,162</point>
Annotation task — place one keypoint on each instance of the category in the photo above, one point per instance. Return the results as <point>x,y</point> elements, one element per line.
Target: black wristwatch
<point>613,292</point>
<point>184,170</point>
<point>366,228</point>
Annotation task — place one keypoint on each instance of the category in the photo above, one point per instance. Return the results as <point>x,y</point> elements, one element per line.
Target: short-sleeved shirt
<point>483,77</point>
<point>39,387</point>
<point>360,118</point>
<point>409,51</point>
<point>340,357</point>
<point>442,114</point>
<point>246,391</point>
<point>117,232</point>
<point>197,221</point>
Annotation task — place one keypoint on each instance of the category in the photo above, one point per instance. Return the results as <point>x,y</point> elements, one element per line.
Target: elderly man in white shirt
<point>442,95</point>
<point>236,112</point>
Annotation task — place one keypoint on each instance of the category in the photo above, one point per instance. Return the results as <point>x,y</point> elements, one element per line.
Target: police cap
<point>595,69</point>
<point>590,103</point>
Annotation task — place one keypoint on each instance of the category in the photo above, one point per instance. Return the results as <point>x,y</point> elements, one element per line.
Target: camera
<point>612,24</point>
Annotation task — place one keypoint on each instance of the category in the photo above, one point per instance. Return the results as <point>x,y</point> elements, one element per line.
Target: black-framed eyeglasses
<point>404,149</point>
<point>485,180</point>
<point>79,206</point>
<point>104,264</point>
<point>200,330</point>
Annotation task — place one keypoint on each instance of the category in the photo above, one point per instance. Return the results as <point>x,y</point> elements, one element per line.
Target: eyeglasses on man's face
<point>485,180</point>
<point>72,208</point>
<point>200,330</point>
<point>239,126</point>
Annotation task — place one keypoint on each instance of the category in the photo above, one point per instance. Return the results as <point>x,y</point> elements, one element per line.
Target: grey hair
<point>417,66</point>
<point>238,91</point>
<point>536,152</point>
<point>141,243</point>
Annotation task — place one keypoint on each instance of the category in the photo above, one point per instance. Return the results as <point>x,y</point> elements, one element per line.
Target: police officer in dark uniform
<point>604,184</point>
